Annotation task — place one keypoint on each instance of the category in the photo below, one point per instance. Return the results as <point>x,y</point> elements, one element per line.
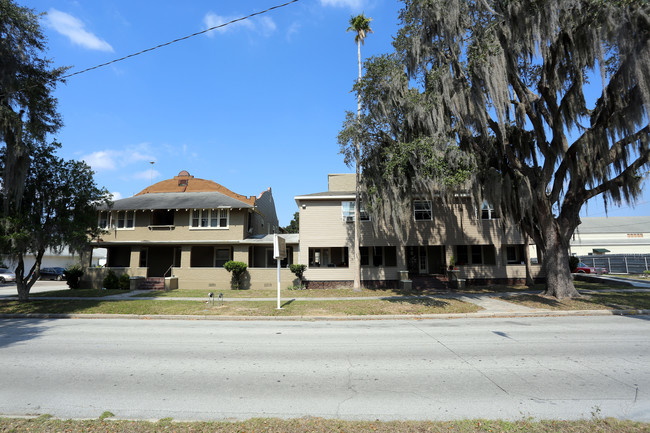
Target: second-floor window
<point>347,212</point>
<point>104,219</point>
<point>210,218</point>
<point>488,212</point>
<point>124,219</point>
<point>422,210</point>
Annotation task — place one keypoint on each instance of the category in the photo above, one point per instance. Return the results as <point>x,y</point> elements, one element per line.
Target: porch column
<point>240,254</point>
<point>134,262</point>
<point>186,255</point>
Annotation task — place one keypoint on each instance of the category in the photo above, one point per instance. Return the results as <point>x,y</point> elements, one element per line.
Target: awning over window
<point>600,250</point>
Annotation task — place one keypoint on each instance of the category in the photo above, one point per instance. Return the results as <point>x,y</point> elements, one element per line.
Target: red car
<point>582,268</point>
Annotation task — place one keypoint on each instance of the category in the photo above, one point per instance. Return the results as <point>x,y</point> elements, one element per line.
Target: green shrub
<point>111,282</point>
<point>647,272</point>
<point>124,282</point>
<point>573,263</point>
<point>298,270</point>
<point>237,269</point>
<point>73,276</point>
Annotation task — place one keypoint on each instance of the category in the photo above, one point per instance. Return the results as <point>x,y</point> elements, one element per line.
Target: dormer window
<point>182,182</point>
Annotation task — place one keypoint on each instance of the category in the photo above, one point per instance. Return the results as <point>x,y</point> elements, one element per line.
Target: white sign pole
<point>279,307</point>
<point>279,253</point>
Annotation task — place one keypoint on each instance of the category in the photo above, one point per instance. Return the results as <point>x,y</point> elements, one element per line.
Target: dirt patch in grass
<point>248,308</point>
<point>45,424</point>
<point>592,301</point>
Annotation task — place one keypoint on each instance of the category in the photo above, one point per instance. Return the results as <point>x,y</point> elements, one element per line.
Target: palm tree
<point>360,25</point>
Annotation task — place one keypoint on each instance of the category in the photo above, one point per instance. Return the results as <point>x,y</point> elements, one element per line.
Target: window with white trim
<point>104,219</point>
<point>209,218</point>
<point>124,220</point>
<point>422,210</point>
<point>347,212</point>
<point>488,212</point>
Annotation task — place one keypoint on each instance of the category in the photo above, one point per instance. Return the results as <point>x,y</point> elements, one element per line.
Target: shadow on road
<point>14,331</point>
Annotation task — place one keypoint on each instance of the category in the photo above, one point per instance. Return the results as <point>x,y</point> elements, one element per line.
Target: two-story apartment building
<point>188,228</point>
<point>482,246</point>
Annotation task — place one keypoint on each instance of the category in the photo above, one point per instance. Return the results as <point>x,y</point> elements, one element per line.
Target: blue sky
<point>253,105</point>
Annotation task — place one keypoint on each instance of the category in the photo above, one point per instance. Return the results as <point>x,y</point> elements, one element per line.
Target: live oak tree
<point>536,106</point>
<point>59,208</point>
<point>27,108</point>
<point>46,202</point>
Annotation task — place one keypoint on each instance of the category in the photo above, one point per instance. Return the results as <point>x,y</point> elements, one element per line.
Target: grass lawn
<point>269,293</point>
<point>46,424</point>
<point>320,293</point>
<point>349,293</point>
<point>265,308</point>
<point>592,301</point>
<point>78,293</point>
<point>632,276</point>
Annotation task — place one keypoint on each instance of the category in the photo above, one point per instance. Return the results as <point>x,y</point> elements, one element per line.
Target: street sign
<point>279,248</point>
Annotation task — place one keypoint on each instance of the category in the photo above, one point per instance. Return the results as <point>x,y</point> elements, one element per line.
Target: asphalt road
<point>10,290</point>
<point>559,367</point>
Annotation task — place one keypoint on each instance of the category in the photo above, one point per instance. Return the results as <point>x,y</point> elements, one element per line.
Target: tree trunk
<point>530,282</point>
<point>357,202</point>
<point>22,282</point>
<point>559,282</point>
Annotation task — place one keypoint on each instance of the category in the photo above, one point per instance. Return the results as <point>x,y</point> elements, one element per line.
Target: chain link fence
<point>619,263</point>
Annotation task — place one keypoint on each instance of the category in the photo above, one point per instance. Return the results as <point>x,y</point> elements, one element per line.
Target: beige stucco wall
<point>210,279</point>
<point>181,230</point>
<point>341,182</point>
<point>321,225</point>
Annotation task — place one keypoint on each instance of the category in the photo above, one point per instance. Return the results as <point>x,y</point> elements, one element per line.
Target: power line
<point>180,39</point>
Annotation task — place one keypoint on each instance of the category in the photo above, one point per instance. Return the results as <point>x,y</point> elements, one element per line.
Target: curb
<point>483,315</point>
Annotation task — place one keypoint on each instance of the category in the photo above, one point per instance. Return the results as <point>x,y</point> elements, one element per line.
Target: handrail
<point>168,269</point>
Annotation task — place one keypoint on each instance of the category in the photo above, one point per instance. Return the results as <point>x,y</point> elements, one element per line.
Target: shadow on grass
<point>548,302</point>
<point>423,301</point>
<point>36,306</point>
<point>289,302</point>
<point>78,293</point>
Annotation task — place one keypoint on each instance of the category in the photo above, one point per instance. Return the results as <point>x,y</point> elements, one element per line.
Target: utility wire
<point>179,39</point>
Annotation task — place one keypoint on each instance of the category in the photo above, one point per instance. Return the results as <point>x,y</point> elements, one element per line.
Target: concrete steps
<point>152,283</point>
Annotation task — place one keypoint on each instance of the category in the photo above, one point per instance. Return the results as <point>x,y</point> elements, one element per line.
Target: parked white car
<point>6,276</point>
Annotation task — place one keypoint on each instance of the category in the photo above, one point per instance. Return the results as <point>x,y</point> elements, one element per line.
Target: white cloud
<point>147,174</point>
<point>267,25</point>
<point>100,161</point>
<point>116,196</point>
<point>293,29</point>
<point>352,4</point>
<point>264,25</point>
<point>110,160</point>
<point>75,30</point>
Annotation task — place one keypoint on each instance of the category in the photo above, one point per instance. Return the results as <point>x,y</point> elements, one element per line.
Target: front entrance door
<point>422,260</point>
